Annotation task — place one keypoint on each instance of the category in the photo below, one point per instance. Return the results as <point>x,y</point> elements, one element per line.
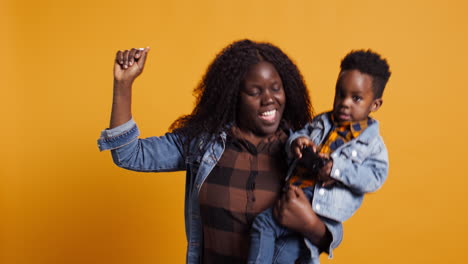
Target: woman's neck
<point>251,136</point>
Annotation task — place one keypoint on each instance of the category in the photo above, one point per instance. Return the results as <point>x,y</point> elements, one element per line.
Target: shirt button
<point>322,191</point>
<point>337,173</point>
<point>354,153</point>
<point>317,207</point>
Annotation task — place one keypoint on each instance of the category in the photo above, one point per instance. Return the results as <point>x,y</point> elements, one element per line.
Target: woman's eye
<point>253,92</point>
<point>276,88</point>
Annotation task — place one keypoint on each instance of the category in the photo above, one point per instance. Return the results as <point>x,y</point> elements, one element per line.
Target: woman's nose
<point>267,97</point>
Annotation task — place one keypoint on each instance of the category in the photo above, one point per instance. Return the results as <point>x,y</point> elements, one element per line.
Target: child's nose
<point>346,101</point>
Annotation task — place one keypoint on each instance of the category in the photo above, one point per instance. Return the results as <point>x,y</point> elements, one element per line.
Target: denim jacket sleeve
<point>163,153</point>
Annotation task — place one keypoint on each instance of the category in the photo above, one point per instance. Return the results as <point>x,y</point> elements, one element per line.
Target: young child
<point>354,158</point>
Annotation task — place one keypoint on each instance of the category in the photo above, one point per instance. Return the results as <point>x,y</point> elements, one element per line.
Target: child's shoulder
<point>322,116</point>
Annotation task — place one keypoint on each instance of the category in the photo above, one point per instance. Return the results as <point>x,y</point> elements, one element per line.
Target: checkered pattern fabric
<point>246,181</point>
<point>343,132</point>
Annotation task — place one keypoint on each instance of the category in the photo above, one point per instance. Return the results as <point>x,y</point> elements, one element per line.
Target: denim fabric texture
<point>360,166</point>
<point>272,243</point>
<point>166,153</point>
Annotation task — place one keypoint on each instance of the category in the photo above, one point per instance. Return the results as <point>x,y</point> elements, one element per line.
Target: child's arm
<point>361,171</point>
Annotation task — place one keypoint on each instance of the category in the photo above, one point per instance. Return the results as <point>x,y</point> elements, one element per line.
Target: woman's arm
<point>150,154</point>
<point>128,65</point>
<point>294,211</point>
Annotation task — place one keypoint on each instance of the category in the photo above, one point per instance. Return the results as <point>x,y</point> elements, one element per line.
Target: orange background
<point>62,201</point>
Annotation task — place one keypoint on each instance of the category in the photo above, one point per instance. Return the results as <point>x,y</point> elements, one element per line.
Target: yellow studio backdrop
<point>63,201</point>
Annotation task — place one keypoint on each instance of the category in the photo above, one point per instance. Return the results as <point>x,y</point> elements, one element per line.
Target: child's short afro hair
<point>369,62</point>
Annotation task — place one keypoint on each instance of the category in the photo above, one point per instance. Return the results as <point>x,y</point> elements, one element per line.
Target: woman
<point>231,146</point>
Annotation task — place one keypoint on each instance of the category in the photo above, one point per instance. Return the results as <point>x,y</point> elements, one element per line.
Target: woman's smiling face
<point>261,100</point>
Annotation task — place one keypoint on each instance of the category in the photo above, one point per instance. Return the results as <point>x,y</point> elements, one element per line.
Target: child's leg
<point>308,255</point>
<point>290,249</point>
<point>263,234</point>
<point>293,249</point>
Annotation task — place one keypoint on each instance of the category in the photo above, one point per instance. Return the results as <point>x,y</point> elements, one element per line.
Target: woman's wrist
<point>121,103</point>
<point>321,239</point>
<point>122,88</point>
<point>317,233</point>
<point>122,84</point>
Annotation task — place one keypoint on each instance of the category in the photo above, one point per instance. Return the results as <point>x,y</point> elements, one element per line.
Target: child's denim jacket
<point>360,166</point>
<point>166,153</point>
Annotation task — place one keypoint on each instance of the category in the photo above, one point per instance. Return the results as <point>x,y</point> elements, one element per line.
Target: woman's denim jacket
<point>166,153</point>
<point>360,166</point>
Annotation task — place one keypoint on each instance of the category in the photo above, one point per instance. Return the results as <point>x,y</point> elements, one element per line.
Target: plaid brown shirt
<point>246,181</point>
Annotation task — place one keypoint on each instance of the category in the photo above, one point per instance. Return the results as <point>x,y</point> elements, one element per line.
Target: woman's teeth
<point>268,115</point>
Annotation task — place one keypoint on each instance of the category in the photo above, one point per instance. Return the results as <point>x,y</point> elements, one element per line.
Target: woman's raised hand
<point>129,64</point>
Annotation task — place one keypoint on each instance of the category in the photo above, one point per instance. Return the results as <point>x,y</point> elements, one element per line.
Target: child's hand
<point>301,143</point>
<point>323,175</point>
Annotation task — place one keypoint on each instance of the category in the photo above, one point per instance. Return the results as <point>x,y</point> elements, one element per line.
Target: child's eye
<point>357,98</point>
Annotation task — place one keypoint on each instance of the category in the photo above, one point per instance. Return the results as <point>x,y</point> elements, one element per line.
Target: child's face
<point>354,97</point>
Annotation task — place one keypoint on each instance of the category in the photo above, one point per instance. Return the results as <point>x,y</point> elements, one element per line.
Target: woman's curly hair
<point>218,92</point>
